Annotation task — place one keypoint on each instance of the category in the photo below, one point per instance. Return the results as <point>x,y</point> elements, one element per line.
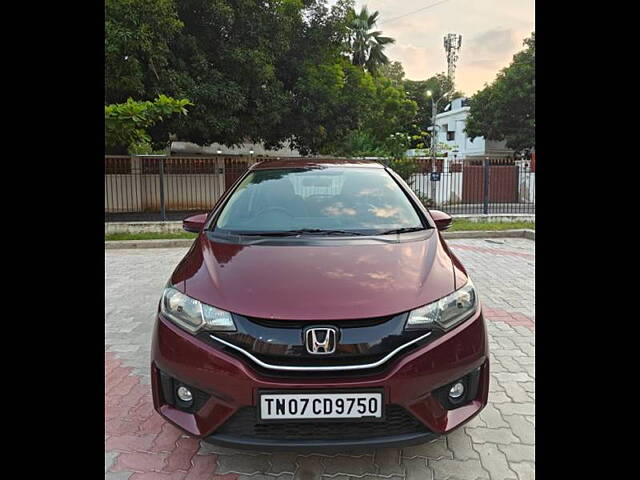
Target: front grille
<point>299,324</point>
<point>397,421</point>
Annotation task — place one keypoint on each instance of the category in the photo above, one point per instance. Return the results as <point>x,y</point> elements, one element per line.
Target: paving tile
<point>109,458</point>
<point>166,439</point>
<point>180,458</point>
<point>117,475</point>
<point>525,471</point>
<point>417,469</point>
<point>495,462</point>
<point>492,416</point>
<point>518,452</point>
<point>389,461</point>
<point>139,462</point>
<point>266,476</point>
<point>516,408</point>
<point>459,469</point>
<point>435,449</point>
<point>521,428</point>
<point>459,443</point>
<point>283,463</point>
<point>350,465</point>
<point>240,463</point>
<point>158,476</point>
<point>492,435</point>
<point>309,468</point>
<point>130,443</point>
<point>202,467</point>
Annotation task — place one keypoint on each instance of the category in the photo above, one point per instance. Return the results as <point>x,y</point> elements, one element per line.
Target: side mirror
<point>441,219</point>
<point>195,223</point>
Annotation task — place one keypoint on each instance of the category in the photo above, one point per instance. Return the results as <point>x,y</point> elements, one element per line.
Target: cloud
<point>490,48</point>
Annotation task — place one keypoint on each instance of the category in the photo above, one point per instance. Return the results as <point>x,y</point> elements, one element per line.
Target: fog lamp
<point>184,394</point>
<point>456,391</point>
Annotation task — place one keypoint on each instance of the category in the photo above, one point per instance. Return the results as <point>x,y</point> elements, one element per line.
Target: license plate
<point>313,406</point>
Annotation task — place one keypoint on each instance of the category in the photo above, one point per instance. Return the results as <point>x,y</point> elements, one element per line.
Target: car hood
<point>322,281</point>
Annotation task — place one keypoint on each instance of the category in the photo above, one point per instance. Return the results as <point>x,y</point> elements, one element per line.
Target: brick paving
<point>497,445</point>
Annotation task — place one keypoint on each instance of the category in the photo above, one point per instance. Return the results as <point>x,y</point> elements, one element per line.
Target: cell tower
<point>452,44</point>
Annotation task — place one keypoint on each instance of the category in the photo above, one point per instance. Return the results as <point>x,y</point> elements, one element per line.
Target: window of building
<point>451,135</point>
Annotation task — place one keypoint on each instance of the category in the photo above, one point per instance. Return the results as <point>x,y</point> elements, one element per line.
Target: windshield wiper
<point>302,231</point>
<point>284,233</point>
<point>402,230</point>
<point>329,232</point>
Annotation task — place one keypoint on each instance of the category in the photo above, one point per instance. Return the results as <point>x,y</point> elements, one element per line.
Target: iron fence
<point>471,186</point>
<point>170,188</point>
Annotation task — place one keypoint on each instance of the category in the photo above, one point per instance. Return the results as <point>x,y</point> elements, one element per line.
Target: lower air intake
<point>397,421</point>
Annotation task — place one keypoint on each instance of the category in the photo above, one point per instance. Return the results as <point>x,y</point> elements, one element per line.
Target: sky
<point>492,32</point>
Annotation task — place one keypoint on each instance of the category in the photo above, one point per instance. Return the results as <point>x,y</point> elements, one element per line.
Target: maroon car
<point>319,307</point>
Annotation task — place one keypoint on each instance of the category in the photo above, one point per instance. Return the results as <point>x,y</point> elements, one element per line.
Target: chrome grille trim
<point>320,368</point>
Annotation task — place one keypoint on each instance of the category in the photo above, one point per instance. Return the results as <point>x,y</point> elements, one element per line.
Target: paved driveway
<point>496,445</point>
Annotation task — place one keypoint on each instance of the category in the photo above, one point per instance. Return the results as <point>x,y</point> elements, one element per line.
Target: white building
<point>450,126</point>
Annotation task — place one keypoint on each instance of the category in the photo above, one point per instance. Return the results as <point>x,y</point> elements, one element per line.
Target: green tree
<point>367,46</point>
<point>330,100</point>
<point>226,61</point>
<point>391,110</point>
<point>381,113</point>
<point>394,72</point>
<point>271,71</point>
<point>137,46</point>
<point>505,110</point>
<point>359,143</point>
<point>126,124</point>
<point>241,62</point>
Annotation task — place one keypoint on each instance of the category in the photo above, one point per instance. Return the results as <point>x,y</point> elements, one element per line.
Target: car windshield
<point>318,200</point>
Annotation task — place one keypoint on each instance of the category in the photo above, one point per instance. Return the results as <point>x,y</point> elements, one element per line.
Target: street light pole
<point>434,146</point>
<point>434,136</point>
<point>434,112</point>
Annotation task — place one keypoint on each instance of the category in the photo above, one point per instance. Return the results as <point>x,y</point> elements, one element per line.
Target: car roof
<point>316,162</point>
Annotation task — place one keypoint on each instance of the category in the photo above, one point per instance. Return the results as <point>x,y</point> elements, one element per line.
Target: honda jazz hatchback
<point>319,307</point>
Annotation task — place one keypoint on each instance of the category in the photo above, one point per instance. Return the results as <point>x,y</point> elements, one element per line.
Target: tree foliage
<point>126,123</point>
<point>137,46</point>
<point>384,113</point>
<point>270,71</point>
<point>394,71</point>
<point>247,66</point>
<point>365,44</point>
<point>505,110</point>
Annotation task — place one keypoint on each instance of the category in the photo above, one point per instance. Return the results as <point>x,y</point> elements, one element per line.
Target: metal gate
<point>234,168</point>
<point>501,181</point>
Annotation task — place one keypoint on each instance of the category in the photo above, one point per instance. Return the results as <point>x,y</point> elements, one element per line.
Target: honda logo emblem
<point>321,340</point>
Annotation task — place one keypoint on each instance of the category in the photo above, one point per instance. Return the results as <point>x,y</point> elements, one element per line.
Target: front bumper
<point>408,382</point>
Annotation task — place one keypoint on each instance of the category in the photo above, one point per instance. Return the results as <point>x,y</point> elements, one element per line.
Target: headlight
<point>447,312</point>
<point>192,314</point>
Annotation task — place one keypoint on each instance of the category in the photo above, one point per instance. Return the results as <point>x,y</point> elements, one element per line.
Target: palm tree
<point>367,47</point>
